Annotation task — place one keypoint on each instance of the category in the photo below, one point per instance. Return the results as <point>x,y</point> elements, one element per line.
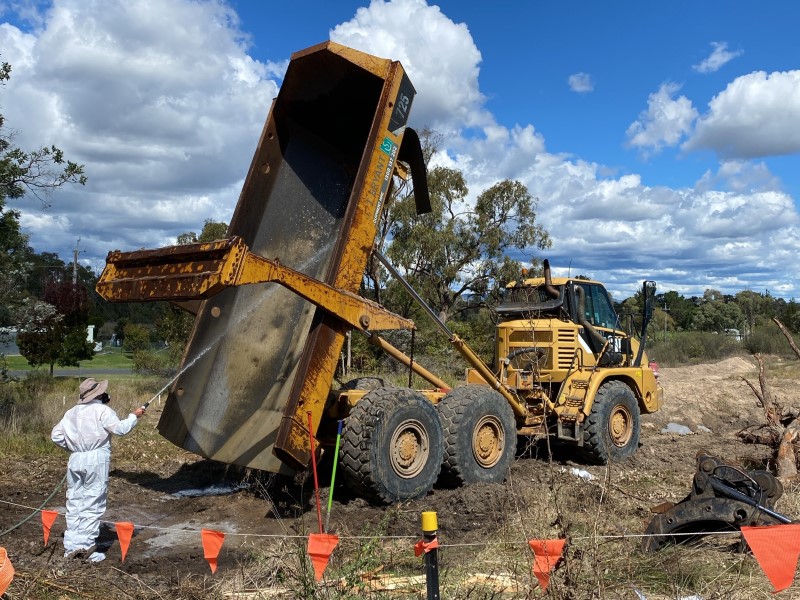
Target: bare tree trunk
<point>785,460</point>
<point>771,410</point>
<point>786,438</point>
<point>788,336</point>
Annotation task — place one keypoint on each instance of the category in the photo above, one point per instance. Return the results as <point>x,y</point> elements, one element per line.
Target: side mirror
<point>649,294</point>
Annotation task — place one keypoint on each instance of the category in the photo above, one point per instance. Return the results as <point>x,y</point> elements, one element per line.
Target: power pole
<point>666,310</point>
<point>75,263</point>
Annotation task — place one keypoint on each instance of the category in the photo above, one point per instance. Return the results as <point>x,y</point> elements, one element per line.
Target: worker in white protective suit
<point>86,431</point>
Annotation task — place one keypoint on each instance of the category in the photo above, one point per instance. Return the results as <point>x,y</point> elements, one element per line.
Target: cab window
<point>598,309</point>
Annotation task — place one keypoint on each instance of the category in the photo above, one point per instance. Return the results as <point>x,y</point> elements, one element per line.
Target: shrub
<point>768,340</point>
<point>686,347</point>
<point>149,362</point>
<point>137,338</point>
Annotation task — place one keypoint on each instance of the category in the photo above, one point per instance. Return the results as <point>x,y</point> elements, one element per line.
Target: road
<point>79,373</point>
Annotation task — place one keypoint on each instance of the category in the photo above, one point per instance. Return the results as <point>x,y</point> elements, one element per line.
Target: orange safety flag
<point>48,518</point>
<point>212,544</point>
<point>6,571</point>
<point>124,533</point>
<point>320,547</point>
<point>776,548</point>
<point>546,553</point>
<point>424,547</point>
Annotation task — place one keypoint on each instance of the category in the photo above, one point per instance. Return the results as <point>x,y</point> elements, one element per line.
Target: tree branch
<point>787,335</point>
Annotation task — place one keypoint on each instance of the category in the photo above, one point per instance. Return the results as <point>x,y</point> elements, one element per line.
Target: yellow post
<point>429,529</point>
<point>429,522</point>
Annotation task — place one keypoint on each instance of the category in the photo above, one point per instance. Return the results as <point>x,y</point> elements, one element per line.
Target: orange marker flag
<point>776,548</point>
<point>6,571</point>
<point>48,518</point>
<point>320,547</point>
<point>212,544</point>
<point>546,553</point>
<point>423,547</point>
<point>124,533</point>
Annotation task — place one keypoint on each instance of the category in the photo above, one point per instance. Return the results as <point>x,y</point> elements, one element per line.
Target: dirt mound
<point>711,395</point>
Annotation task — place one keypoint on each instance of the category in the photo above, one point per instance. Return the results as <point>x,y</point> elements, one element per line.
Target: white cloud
<point>718,58</point>
<point>439,56</point>
<point>664,123</point>
<point>581,83</point>
<point>757,115</point>
<point>739,176</point>
<point>165,113</point>
<point>142,92</point>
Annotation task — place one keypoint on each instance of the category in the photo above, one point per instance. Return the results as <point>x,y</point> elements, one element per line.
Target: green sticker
<point>387,146</point>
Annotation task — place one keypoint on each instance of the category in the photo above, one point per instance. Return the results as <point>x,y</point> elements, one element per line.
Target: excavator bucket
<point>261,358</point>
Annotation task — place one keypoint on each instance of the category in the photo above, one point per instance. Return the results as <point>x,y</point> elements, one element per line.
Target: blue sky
<point>529,50</point>
<point>662,140</point>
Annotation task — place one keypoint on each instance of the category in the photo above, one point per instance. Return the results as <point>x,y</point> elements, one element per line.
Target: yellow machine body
<point>259,360</point>
<point>274,301</point>
<point>545,355</point>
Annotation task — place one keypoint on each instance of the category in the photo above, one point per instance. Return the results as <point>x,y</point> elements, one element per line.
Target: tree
<point>40,332</point>
<point>755,308</point>
<point>717,315</point>
<point>137,338</point>
<point>74,348</point>
<point>45,339</point>
<point>679,308</point>
<point>38,172</point>
<point>459,250</point>
<point>15,264</point>
<point>212,230</point>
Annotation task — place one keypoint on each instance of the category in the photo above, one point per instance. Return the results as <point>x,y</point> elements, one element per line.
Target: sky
<point>661,140</point>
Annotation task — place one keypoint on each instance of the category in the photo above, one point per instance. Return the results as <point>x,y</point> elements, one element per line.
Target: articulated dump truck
<point>274,301</point>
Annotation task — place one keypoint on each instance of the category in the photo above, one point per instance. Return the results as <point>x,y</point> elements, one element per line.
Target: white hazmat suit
<point>86,431</point>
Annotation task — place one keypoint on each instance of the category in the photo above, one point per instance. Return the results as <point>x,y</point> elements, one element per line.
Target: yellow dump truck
<point>274,301</point>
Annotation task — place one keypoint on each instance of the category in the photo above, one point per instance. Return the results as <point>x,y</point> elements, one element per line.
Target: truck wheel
<point>392,444</point>
<point>480,435</point>
<point>611,432</point>
<point>365,383</point>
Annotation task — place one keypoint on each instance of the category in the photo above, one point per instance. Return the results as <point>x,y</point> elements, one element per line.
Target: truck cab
<point>560,345</point>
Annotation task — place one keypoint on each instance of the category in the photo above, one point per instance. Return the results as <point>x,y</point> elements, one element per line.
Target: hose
<point>38,510</point>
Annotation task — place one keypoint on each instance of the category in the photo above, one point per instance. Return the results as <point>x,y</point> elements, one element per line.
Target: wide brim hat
<point>91,389</point>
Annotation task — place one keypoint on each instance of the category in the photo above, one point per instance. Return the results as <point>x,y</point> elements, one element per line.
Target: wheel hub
<point>620,426</point>
<point>410,448</point>
<point>488,441</point>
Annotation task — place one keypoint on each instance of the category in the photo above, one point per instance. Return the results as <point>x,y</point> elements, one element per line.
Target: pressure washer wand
<point>169,383</point>
<point>146,404</point>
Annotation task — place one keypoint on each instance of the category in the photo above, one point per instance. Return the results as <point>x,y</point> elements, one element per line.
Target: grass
<point>111,358</point>
<point>30,407</point>
<point>599,562</point>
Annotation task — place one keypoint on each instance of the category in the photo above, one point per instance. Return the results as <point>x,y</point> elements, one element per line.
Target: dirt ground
<point>266,519</point>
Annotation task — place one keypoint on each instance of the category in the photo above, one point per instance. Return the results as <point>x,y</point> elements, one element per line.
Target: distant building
<point>734,333</point>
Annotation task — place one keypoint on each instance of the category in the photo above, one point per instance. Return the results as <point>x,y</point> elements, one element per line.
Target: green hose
<point>38,510</point>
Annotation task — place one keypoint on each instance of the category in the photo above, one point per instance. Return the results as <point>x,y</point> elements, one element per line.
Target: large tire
<point>611,432</point>
<point>365,383</point>
<point>480,436</point>
<point>392,444</point>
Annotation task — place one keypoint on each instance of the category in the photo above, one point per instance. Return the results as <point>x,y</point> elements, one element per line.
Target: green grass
<point>111,358</point>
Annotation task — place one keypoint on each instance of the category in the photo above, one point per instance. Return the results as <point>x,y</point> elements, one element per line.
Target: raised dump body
<point>260,357</point>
